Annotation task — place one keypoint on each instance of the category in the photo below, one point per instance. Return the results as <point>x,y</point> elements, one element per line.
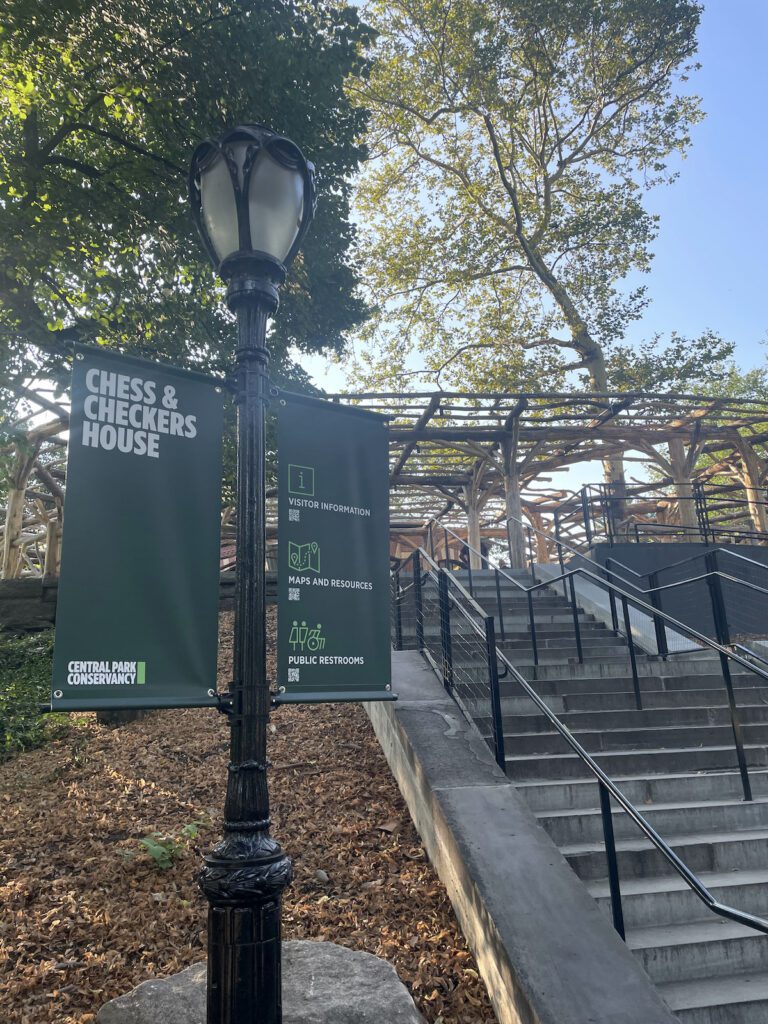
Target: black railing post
<point>531,561</point>
<point>560,561</point>
<point>702,512</point>
<point>614,884</point>
<point>632,655</point>
<point>469,571</point>
<point>658,623</point>
<point>723,637</point>
<point>611,596</point>
<point>719,611</point>
<point>431,541</point>
<point>397,609</point>
<point>499,604</point>
<point>447,548</point>
<point>419,607</point>
<point>532,621</point>
<point>576,624</point>
<point>445,630</point>
<point>609,517</point>
<point>493,680</point>
<point>585,515</point>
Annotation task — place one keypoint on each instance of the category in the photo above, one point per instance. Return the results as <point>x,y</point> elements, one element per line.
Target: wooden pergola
<point>481,462</point>
<point>478,463</point>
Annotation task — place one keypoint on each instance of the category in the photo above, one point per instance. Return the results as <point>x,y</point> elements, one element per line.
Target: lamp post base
<point>243,880</point>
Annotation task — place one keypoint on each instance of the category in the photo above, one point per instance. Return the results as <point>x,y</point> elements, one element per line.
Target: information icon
<point>301,480</point>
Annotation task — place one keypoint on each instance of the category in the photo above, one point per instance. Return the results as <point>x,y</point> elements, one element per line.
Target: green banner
<point>137,612</point>
<point>333,570</point>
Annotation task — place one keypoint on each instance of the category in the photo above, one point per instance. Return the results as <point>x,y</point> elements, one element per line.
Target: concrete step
<point>644,792</point>
<point>590,684</point>
<point>617,668</point>
<point>666,900</point>
<point>543,643</point>
<point>554,630</point>
<point>659,761</point>
<point>738,999</point>
<point>523,660</point>
<point>610,719</point>
<point>713,697</point>
<point>639,858</point>
<point>564,704</point>
<point>699,949</point>
<point>586,824</point>
<point>669,738</point>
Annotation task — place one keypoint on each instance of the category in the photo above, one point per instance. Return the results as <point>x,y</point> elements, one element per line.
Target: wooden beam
<point>421,422</point>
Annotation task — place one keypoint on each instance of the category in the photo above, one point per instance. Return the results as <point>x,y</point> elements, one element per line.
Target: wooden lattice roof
<point>439,441</point>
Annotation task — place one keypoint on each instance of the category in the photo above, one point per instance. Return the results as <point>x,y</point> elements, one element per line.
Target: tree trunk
<point>592,355</point>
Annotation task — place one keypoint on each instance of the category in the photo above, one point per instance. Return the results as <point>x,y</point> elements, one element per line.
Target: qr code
<point>293,675</point>
<point>294,515</point>
<point>294,594</point>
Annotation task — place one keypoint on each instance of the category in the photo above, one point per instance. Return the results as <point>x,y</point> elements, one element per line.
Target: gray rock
<point>322,984</point>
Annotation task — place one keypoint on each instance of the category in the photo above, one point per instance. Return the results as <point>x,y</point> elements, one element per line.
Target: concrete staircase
<point>676,762</point>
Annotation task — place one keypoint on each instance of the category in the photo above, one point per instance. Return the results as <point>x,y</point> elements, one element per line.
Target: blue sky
<point>710,264</point>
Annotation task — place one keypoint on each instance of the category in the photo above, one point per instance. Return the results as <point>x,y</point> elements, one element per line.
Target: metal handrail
<point>642,606</point>
<point>685,873</point>
<point>607,787</point>
<point>658,617</point>
<point>712,551</point>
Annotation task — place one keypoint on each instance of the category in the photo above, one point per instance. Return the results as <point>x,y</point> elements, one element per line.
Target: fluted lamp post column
<point>252,197</point>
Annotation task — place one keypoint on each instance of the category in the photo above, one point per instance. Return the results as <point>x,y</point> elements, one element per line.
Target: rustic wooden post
<point>681,478</point>
<point>543,545</point>
<point>10,568</point>
<point>474,537</point>
<point>514,508</point>
<point>751,477</point>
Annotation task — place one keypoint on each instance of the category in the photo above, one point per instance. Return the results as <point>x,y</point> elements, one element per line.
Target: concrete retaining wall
<point>29,605</point>
<point>545,951</point>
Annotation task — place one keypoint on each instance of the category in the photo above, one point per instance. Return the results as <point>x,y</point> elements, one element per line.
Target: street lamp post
<point>252,197</point>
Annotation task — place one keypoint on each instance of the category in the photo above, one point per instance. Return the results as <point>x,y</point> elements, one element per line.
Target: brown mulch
<point>86,913</point>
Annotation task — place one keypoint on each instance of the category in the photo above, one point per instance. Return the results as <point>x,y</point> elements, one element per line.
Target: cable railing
<point>438,597</point>
<point>463,654</point>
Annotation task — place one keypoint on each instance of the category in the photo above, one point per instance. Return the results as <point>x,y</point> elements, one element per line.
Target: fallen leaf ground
<point>86,913</point>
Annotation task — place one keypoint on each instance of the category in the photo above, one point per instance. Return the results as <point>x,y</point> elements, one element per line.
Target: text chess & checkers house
<point>121,413</point>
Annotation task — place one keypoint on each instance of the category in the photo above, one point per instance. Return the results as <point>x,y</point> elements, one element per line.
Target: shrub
<point>25,685</point>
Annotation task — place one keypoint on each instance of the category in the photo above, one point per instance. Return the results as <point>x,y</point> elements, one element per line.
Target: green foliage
<point>164,849</point>
<point>25,681</point>
<point>504,206</point>
<point>101,105</point>
<point>679,365</point>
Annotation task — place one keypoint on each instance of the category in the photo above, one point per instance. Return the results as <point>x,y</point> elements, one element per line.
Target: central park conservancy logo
<point>106,673</point>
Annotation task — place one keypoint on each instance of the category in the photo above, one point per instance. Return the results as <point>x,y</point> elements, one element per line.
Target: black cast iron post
<point>252,197</point>
<point>244,876</point>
